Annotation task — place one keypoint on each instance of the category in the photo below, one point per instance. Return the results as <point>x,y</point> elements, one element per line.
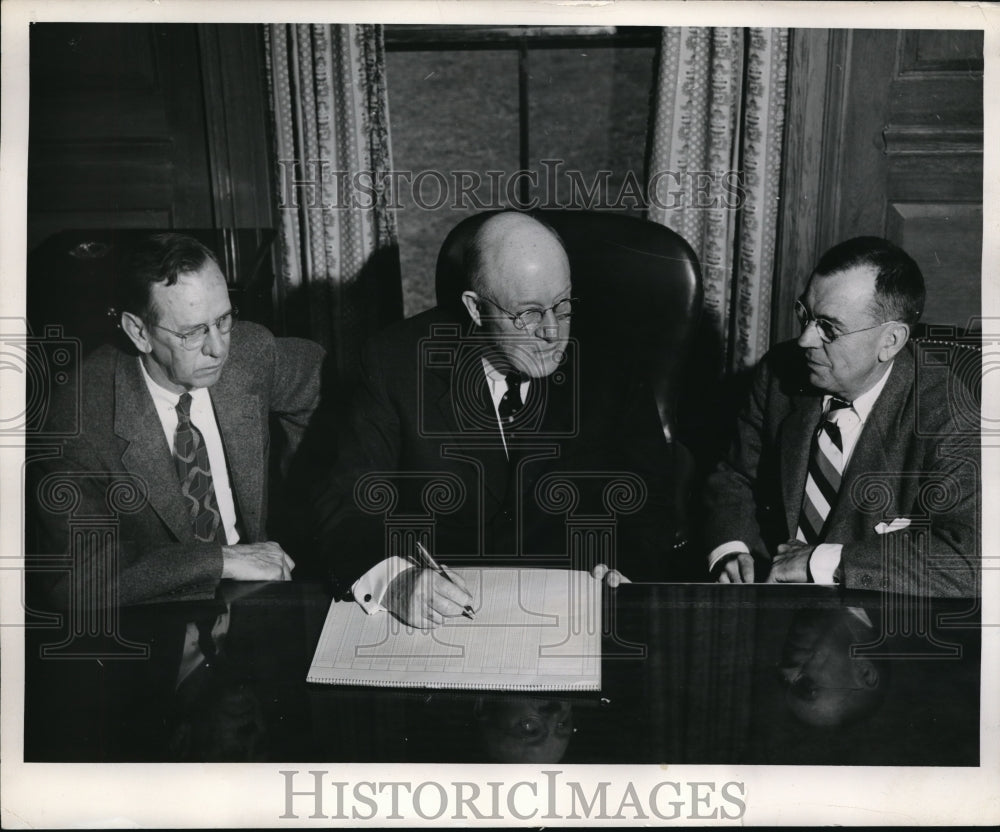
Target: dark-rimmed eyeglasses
<point>195,337</point>
<point>532,318</point>
<point>828,332</point>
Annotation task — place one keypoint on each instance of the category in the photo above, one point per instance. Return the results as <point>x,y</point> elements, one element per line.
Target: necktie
<point>826,466</point>
<point>195,475</point>
<point>511,404</point>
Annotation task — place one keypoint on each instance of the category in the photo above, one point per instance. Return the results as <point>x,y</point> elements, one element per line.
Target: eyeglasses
<point>534,728</point>
<point>531,318</point>
<point>803,687</point>
<point>195,337</point>
<point>827,331</point>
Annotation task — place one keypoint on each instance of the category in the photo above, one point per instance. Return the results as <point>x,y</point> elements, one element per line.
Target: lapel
<point>461,396</point>
<point>880,431</point>
<point>146,454</point>
<point>795,442</point>
<point>238,412</point>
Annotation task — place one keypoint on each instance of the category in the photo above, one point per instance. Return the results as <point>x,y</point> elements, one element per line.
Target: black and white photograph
<point>499,414</point>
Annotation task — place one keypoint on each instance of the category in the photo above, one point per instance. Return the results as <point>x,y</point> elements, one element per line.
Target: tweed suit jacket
<point>118,465</point>
<point>915,460</point>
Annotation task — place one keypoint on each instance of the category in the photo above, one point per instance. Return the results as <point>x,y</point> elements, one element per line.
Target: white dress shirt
<point>825,559</point>
<point>369,589</point>
<point>202,417</point>
<point>498,387</point>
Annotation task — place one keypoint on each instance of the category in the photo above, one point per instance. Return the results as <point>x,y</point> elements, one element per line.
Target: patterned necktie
<point>826,466</point>
<point>195,475</point>
<point>511,404</point>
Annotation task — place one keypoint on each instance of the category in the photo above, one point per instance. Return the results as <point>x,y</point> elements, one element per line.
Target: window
<point>490,117</point>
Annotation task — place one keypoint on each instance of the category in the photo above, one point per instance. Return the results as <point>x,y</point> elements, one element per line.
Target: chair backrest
<point>71,276</point>
<point>639,286</point>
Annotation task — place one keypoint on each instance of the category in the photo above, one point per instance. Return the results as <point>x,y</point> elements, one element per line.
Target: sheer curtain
<point>715,170</point>
<point>338,279</point>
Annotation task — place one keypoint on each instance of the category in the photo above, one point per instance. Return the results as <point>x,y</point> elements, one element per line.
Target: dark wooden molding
<point>928,139</point>
<point>235,99</point>
<point>803,172</point>
<point>965,53</point>
<point>422,37</point>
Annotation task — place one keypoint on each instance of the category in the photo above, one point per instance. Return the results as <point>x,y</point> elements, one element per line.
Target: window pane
<point>589,108</point>
<point>449,112</point>
<point>454,119</point>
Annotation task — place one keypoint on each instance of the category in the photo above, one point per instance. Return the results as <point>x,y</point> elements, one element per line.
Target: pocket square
<point>894,526</point>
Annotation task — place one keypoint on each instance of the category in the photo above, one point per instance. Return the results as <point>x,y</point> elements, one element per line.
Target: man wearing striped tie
<point>850,464</point>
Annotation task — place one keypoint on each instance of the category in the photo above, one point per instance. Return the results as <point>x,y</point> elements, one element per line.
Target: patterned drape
<point>715,169</point>
<point>339,262</point>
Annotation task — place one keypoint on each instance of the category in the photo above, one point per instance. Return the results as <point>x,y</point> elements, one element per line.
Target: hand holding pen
<point>426,595</point>
<point>451,577</point>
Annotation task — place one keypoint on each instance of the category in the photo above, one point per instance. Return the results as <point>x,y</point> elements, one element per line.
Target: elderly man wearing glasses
<point>851,464</point>
<point>479,429</point>
<point>176,432</point>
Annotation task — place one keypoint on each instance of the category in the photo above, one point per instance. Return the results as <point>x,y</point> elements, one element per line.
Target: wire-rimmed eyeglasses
<point>827,330</point>
<point>532,318</point>
<point>804,687</point>
<point>195,337</point>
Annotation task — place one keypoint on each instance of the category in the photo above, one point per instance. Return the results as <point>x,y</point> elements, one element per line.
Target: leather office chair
<point>640,289</point>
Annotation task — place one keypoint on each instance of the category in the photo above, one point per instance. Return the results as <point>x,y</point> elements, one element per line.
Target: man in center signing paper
<point>479,430</point>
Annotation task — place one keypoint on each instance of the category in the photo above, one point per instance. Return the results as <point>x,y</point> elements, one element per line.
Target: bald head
<point>512,253</point>
<point>516,264</point>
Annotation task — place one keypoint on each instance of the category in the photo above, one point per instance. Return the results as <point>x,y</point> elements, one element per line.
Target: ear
<point>893,340</point>
<point>471,301</point>
<point>136,331</point>
<point>867,674</point>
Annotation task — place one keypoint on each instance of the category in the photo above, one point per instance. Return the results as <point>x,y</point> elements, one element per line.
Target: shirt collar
<point>498,381</point>
<point>864,403</point>
<point>162,397</point>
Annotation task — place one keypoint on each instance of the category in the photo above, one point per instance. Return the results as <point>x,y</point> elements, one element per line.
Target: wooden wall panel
<point>147,125</point>
<point>117,132</point>
<point>897,133</point>
<point>236,113</point>
<point>946,240</point>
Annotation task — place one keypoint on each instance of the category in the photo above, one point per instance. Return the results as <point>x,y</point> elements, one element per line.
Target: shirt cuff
<point>824,562</point>
<point>369,589</point>
<point>733,547</point>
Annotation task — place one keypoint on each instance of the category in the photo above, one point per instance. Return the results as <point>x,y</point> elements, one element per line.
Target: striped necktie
<point>195,474</point>
<point>826,467</point>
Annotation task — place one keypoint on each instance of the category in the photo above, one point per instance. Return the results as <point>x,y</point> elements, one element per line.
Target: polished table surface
<point>691,674</point>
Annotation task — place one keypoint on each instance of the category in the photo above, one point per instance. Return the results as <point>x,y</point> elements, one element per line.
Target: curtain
<point>338,279</point>
<point>715,170</point>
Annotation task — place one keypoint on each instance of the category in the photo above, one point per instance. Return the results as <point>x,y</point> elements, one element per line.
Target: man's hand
<point>736,569</point>
<point>423,598</point>
<point>256,562</point>
<point>791,564</point>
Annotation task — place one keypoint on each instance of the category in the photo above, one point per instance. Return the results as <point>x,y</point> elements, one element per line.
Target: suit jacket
<point>420,453</point>
<point>913,459</point>
<point>119,465</point>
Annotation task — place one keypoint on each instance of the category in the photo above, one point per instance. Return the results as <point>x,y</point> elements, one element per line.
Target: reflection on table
<point>691,674</point>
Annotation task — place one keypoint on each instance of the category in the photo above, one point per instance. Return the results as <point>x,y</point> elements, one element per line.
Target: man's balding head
<point>510,245</point>
<point>517,264</point>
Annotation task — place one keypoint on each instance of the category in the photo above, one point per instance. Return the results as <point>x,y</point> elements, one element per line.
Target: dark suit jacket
<point>420,453</point>
<point>912,460</point>
<point>119,464</point>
